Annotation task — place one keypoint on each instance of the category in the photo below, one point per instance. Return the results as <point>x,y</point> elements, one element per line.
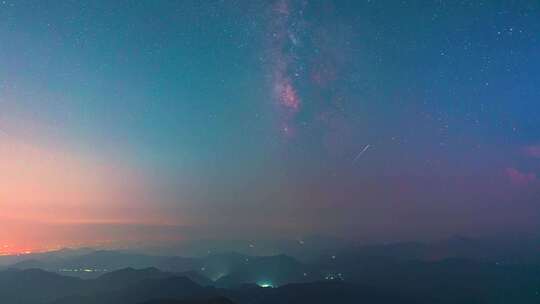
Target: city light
<point>265,284</point>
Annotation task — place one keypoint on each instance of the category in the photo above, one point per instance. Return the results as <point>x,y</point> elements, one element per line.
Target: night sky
<point>142,121</point>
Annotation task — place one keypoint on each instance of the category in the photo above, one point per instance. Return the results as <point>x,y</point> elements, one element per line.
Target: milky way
<point>305,57</point>
<point>283,52</point>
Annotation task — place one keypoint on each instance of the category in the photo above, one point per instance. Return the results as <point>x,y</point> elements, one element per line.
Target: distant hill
<point>272,270</point>
<point>94,263</point>
<point>304,249</point>
<point>227,269</point>
<point>515,250</point>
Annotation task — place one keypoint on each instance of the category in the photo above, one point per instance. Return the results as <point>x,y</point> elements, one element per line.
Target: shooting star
<point>361,153</point>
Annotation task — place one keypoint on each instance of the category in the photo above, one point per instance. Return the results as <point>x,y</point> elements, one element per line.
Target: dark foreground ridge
<point>459,282</point>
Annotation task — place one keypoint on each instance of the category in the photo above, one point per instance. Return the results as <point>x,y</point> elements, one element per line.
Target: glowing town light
<point>265,284</point>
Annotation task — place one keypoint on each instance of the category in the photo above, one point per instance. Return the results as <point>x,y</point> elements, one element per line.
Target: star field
<point>366,119</point>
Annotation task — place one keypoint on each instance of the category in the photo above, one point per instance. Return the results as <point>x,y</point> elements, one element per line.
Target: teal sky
<point>231,119</point>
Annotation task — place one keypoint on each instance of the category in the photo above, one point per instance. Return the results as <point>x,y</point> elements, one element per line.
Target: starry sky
<point>143,121</point>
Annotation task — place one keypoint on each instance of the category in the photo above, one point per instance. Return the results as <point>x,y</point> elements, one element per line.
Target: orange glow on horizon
<point>54,196</point>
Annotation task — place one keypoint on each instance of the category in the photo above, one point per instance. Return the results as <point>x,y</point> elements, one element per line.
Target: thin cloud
<point>520,178</point>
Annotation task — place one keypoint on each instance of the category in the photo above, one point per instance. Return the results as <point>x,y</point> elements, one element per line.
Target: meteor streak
<point>361,153</point>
